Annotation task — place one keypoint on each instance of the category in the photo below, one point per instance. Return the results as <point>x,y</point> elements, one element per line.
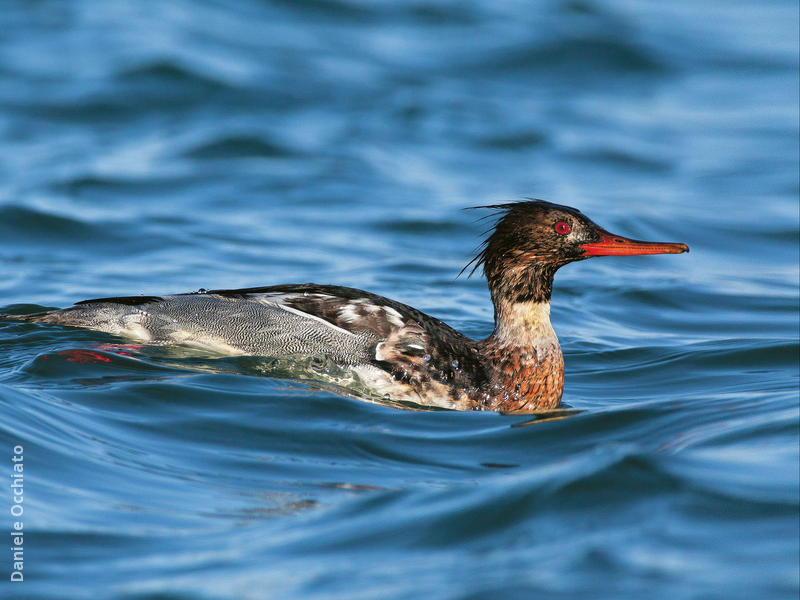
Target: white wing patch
<point>354,310</point>
<point>348,313</point>
<point>275,301</point>
<point>394,317</point>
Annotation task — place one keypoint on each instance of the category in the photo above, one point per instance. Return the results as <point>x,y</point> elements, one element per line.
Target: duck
<point>393,351</point>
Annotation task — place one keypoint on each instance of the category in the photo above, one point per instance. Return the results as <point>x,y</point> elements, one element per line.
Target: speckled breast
<point>526,379</point>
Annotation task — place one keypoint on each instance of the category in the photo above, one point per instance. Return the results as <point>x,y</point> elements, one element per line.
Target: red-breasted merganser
<point>397,352</point>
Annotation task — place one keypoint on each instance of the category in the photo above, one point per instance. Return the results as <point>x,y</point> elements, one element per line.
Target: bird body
<point>394,351</point>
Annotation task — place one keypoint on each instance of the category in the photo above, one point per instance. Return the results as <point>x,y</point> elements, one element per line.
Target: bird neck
<point>519,281</point>
<point>522,324</point>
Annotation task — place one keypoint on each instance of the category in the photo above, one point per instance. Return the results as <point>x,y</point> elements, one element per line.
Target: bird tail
<point>39,317</point>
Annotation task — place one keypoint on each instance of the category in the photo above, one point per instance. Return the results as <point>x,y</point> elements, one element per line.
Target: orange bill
<point>615,245</point>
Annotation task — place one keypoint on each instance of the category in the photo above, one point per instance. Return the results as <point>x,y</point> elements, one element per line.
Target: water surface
<point>150,147</point>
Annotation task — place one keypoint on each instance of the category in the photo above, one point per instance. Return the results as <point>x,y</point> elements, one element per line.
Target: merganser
<point>396,352</point>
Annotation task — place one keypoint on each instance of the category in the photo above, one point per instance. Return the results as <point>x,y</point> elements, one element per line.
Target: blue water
<point>150,147</point>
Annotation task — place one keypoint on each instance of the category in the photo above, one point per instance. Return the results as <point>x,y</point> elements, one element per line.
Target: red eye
<point>562,228</point>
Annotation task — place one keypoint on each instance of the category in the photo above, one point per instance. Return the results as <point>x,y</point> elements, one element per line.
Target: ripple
<point>241,146</point>
<point>622,159</point>
<point>514,141</point>
<point>160,72</point>
<point>418,226</point>
<point>22,224</point>
<point>587,55</point>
